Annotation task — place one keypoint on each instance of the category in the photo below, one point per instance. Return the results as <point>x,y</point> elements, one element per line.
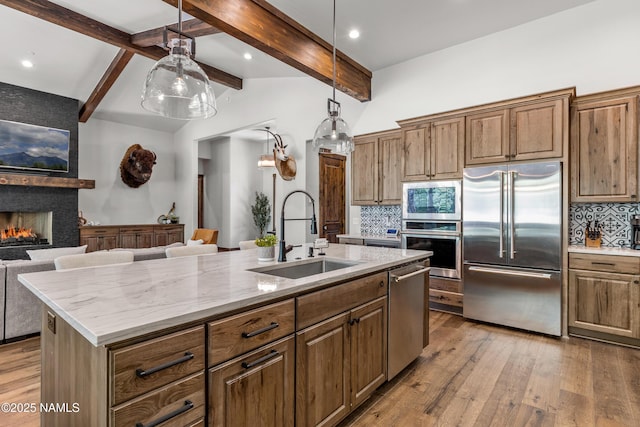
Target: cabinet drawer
<point>238,334</point>
<point>171,357</point>
<point>449,285</point>
<point>447,298</point>
<point>98,231</point>
<point>608,263</point>
<point>182,401</point>
<point>320,305</point>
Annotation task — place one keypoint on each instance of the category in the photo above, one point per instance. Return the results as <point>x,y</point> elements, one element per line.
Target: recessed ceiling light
<point>354,34</point>
<point>247,56</point>
<point>27,63</point>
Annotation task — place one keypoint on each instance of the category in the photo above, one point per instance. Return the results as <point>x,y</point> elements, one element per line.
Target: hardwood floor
<point>471,374</point>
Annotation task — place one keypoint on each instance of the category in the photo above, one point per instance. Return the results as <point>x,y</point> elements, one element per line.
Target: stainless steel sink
<point>306,268</point>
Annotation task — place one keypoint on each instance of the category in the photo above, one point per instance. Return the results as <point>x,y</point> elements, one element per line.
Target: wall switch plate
<point>51,322</point>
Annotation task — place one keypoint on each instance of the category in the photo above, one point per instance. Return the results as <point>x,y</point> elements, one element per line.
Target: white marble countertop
<point>113,303</point>
<point>604,251</point>
<point>370,237</point>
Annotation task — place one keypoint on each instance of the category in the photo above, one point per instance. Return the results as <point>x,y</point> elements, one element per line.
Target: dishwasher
<point>406,316</point>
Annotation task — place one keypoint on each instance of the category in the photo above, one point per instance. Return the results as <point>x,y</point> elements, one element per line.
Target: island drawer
<point>321,305</point>
<point>182,402</point>
<point>142,367</point>
<point>605,263</point>
<point>235,335</point>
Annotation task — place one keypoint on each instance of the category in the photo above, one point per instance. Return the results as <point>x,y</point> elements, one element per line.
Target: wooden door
<point>605,302</point>
<point>364,172</point>
<point>447,148</point>
<point>487,137</point>
<point>368,332</point>
<point>390,176</point>
<point>537,130</point>
<point>322,373</point>
<point>332,196</point>
<point>604,151</point>
<point>256,389</point>
<point>415,155</point>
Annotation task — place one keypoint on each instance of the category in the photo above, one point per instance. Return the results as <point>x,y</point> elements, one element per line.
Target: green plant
<point>267,240</point>
<point>261,211</point>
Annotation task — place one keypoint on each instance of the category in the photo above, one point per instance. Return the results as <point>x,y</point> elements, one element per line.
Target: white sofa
<point>22,310</point>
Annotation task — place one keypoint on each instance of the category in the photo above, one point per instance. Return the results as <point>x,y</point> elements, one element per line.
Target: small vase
<point>266,253</point>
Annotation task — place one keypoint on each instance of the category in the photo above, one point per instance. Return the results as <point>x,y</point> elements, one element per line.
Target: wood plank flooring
<point>471,374</point>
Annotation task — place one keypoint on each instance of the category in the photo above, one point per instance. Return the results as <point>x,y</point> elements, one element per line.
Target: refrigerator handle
<point>512,222</point>
<point>501,247</point>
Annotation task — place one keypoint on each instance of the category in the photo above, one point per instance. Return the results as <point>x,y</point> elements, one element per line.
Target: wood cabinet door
<point>604,151</point>
<point>322,372</point>
<point>537,130</point>
<point>390,176</point>
<point>605,302</point>
<point>487,137</point>
<point>364,172</point>
<point>416,165</point>
<point>91,242</point>
<point>106,243</point>
<point>447,148</point>
<point>368,332</point>
<point>256,389</point>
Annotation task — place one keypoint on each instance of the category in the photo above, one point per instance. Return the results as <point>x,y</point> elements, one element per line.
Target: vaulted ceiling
<point>98,51</point>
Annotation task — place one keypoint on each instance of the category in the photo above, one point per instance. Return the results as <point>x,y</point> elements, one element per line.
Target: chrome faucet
<point>282,257</point>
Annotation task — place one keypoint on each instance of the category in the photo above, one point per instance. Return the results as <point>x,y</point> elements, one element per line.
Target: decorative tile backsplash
<point>615,219</point>
<point>376,219</point>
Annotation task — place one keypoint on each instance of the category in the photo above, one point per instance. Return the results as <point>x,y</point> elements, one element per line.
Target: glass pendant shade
<point>333,134</point>
<point>176,86</point>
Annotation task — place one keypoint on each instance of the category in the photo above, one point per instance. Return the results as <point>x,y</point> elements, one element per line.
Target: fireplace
<point>25,228</point>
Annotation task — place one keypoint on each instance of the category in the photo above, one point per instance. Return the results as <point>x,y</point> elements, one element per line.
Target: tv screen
<point>31,147</point>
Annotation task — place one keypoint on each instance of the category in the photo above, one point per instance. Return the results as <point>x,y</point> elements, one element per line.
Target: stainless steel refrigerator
<point>512,239</point>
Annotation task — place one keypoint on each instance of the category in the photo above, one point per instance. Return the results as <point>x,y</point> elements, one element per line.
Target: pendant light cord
<point>180,17</point>
<point>334,50</point>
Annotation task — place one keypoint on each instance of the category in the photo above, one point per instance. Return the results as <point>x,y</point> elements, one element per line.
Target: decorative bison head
<point>136,166</point>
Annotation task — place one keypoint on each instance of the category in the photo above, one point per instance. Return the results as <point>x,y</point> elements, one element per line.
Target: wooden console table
<point>102,237</point>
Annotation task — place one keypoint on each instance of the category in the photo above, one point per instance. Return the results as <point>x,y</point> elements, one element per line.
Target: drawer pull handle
<point>270,355</point>
<point>610,264</point>
<point>273,325</point>
<point>187,405</point>
<point>145,373</point>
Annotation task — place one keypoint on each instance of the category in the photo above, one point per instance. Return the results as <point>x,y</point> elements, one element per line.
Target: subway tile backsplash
<point>615,218</point>
<point>376,219</point>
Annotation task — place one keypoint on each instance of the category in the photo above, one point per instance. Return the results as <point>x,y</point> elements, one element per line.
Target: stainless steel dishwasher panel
<point>406,316</point>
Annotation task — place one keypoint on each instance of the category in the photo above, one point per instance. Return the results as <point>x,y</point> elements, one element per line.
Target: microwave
<point>432,200</point>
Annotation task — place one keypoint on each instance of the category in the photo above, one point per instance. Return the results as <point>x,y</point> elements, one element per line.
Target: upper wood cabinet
<point>533,131</point>
<point>375,169</point>
<point>433,150</point>
<point>604,147</point>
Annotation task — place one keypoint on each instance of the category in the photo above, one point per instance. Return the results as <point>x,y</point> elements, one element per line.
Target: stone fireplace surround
<point>24,105</point>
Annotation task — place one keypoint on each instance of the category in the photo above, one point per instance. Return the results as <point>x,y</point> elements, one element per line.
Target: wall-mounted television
<point>31,147</point>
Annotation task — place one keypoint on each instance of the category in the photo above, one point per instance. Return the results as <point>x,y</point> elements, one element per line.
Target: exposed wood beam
<point>153,37</point>
<point>71,20</point>
<point>264,27</point>
<point>108,79</point>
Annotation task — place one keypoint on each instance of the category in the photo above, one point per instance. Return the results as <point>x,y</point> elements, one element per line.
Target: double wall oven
<point>431,221</point>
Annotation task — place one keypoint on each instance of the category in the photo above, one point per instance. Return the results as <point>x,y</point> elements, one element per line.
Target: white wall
<point>102,145</point>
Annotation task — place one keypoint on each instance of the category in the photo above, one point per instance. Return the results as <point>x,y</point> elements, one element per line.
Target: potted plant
<point>261,211</point>
<point>266,247</point>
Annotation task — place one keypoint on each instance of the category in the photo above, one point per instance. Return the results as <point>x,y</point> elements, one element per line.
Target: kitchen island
<point>136,343</point>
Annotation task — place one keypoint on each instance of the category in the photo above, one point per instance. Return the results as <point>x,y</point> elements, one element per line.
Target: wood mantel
<point>45,181</point>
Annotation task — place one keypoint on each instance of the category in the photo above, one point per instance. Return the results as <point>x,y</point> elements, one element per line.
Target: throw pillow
<point>194,242</point>
<point>51,254</point>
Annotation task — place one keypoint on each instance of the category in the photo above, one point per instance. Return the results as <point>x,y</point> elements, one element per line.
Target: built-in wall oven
<point>443,238</point>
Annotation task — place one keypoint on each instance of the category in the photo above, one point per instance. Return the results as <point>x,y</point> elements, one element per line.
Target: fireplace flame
<point>14,232</point>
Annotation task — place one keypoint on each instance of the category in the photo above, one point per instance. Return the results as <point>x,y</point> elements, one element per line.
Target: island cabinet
<point>530,128</point>
<point>255,387</point>
<point>604,297</point>
<point>604,147</point>
<point>375,169</point>
<point>341,349</point>
<point>432,148</point>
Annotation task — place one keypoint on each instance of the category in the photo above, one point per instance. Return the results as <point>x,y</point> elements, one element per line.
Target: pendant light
<point>267,160</point>
<point>176,86</point>
<point>333,133</point>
